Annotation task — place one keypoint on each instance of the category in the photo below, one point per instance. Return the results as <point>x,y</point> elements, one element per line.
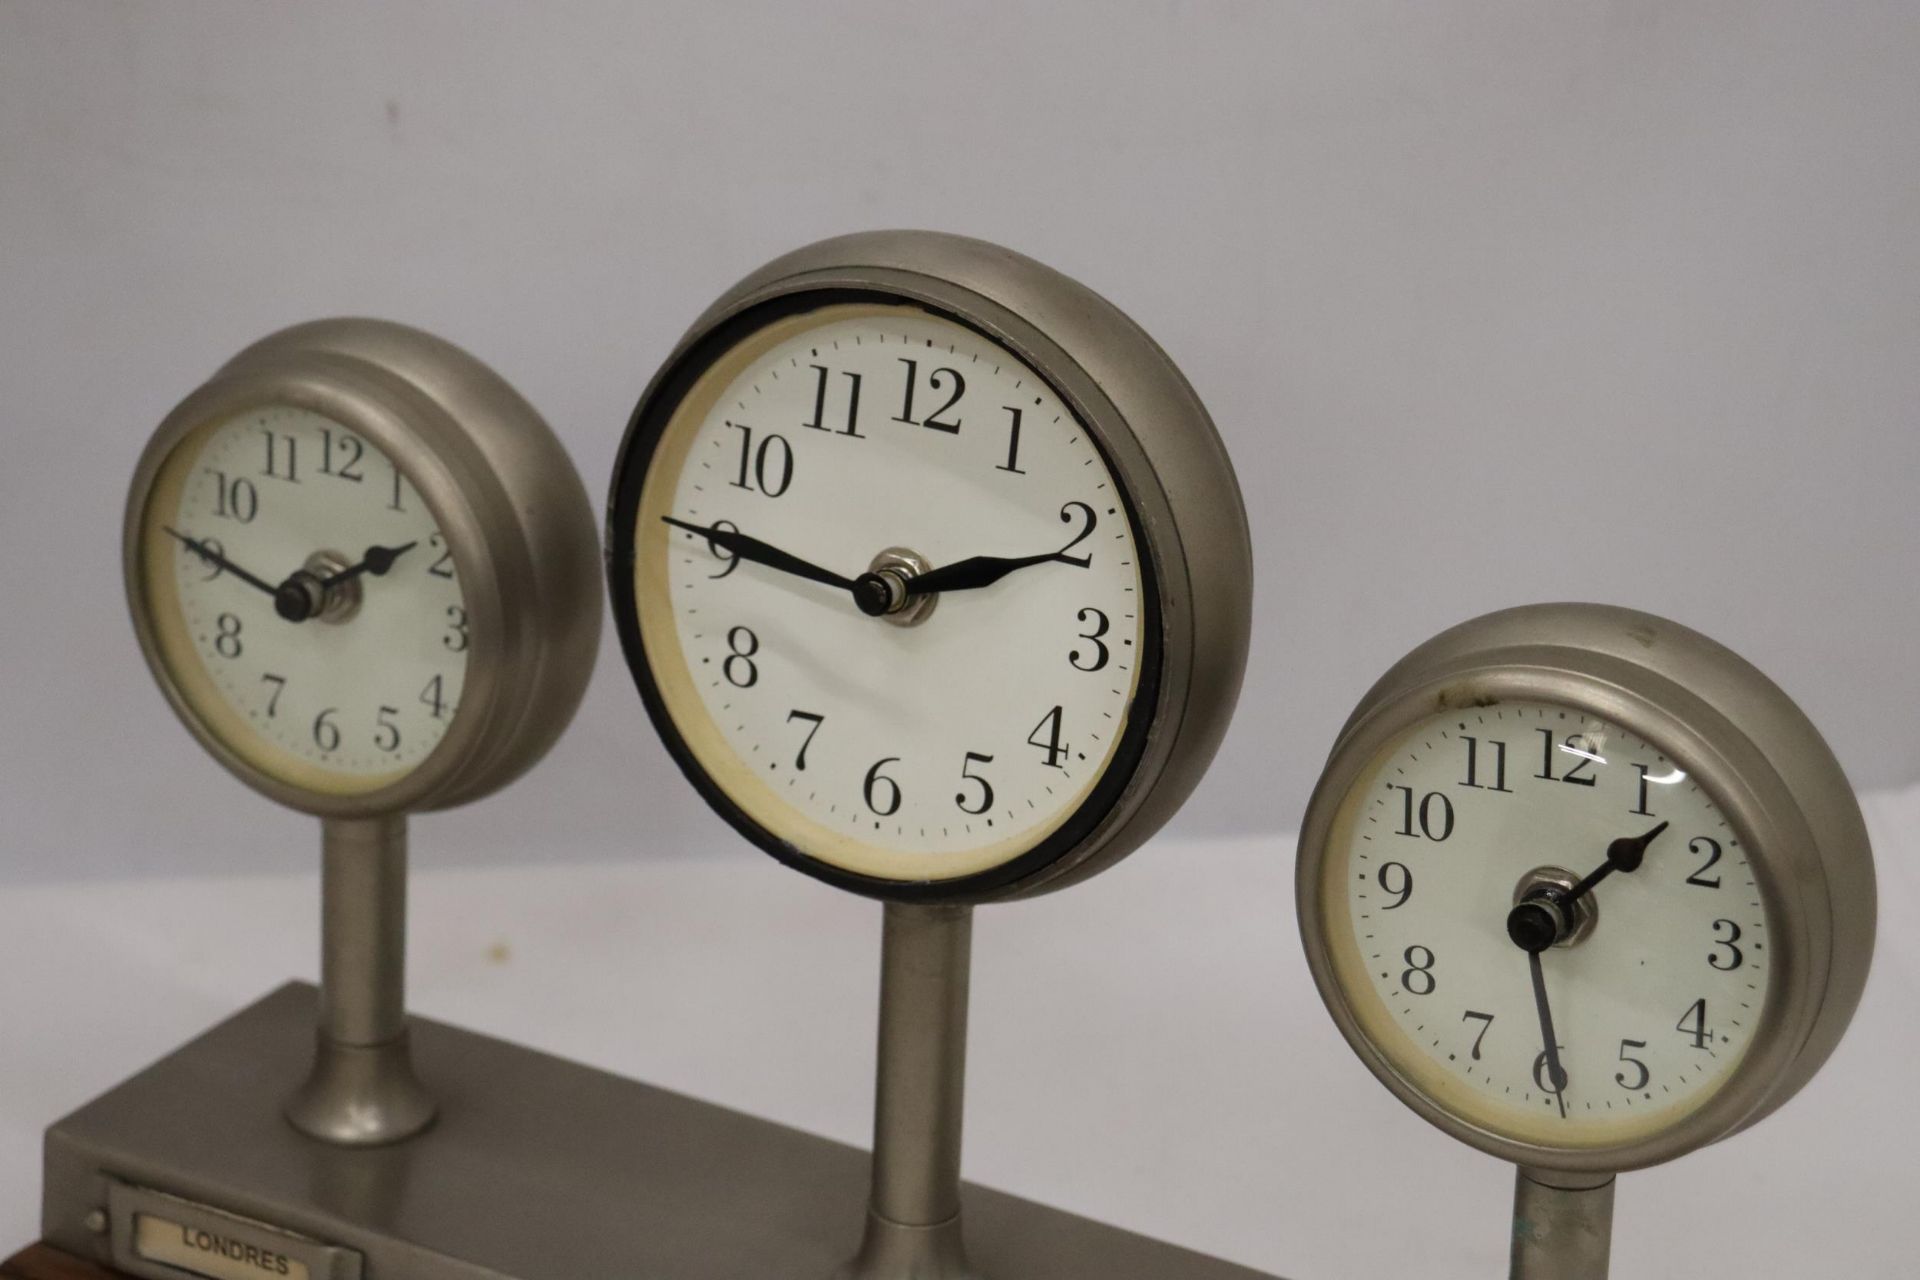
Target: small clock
<point>931,569</point>
<point>363,571</point>
<point>1585,889</point>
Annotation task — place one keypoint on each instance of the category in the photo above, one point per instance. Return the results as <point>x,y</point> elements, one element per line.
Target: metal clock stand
<point>363,1090</point>
<point>1562,1226</point>
<point>1019,392</point>
<point>389,1146</point>
<point>913,1216</point>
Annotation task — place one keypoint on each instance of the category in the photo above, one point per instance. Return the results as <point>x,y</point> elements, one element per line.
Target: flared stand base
<point>534,1169</point>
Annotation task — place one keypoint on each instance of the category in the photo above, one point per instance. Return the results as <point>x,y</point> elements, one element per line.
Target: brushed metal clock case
<point>1765,766</point>
<point>519,527</point>
<point>1185,502</point>
<point>1157,437</point>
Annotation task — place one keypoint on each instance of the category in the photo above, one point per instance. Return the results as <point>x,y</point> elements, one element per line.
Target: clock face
<point>304,600</point>
<point>1653,995</point>
<point>976,729</point>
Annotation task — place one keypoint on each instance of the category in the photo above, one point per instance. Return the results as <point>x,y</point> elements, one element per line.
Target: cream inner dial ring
<point>890,733</point>
<point>1654,987</point>
<point>304,599</point>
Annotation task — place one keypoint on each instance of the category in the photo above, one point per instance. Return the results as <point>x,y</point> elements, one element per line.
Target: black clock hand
<point>376,562</point>
<point>213,557</point>
<point>1624,854</point>
<point>1545,915</point>
<point>1556,1074</point>
<point>980,571</point>
<point>764,553</point>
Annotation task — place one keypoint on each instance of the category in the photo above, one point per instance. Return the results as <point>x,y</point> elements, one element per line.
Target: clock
<point>931,569</point>
<point>1585,889</point>
<point>365,575</point>
<point>363,571</point>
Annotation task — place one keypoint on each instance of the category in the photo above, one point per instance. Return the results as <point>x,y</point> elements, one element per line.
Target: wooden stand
<point>43,1263</point>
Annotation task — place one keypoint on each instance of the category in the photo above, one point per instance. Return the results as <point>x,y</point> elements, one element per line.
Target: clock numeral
<point>218,548</point>
<point>456,638</point>
<point>1098,658</point>
<point>1548,1076</point>
<point>443,567</point>
<point>986,788</point>
<point>1403,890</point>
<point>235,498</point>
<point>1486,1020</point>
<point>292,458</point>
<point>1013,444</point>
<point>1417,978</point>
<point>326,734</point>
<point>434,698</point>
<point>732,558</point>
<point>1735,956</point>
<point>876,780</point>
<point>1694,1023</point>
<point>1640,804</point>
<point>279,684</point>
<point>1620,1077</point>
<point>1051,744</point>
<point>386,734</point>
<point>1430,817</point>
<point>1499,752</point>
<point>396,504</point>
<point>1577,744</point>
<point>800,760</point>
<point>340,456</point>
<point>226,639</point>
<point>1086,531</point>
<point>933,384</point>
<point>819,422</point>
<point>768,468</point>
<point>742,644</point>
<point>1711,847</point>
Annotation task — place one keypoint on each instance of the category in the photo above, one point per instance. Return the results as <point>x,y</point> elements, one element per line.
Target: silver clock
<point>1587,891</point>
<point>364,573</point>
<point>935,579</point>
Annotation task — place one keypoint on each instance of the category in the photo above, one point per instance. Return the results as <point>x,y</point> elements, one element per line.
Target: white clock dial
<point>1652,1003</point>
<point>920,752</point>
<point>354,696</point>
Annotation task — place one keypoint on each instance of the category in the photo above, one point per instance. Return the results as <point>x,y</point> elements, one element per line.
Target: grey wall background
<point>1493,302</point>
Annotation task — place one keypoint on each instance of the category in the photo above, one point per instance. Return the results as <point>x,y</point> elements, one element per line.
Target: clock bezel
<point>1747,746</point>
<point>1144,420</point>
<point>515,516</point>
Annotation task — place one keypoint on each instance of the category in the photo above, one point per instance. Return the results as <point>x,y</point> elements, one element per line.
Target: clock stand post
<point>362,1091</point>
<point>1562,1225</point>
<point>913,1227</point>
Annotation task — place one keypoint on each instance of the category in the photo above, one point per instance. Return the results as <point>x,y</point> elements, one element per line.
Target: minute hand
<point>980,571</point>
<point>219,561</point>
<point>763,553</point>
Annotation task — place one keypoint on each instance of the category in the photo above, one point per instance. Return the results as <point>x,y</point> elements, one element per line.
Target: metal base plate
<point>537,1169</point>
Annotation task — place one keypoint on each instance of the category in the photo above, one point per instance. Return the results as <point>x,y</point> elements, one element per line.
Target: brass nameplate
<point>163,1237</point>
<point>206,1252</point>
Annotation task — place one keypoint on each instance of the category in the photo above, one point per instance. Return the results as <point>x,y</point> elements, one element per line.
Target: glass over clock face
<point>1602,1021</point>
<point>891,595</point>
<point>303,600</point>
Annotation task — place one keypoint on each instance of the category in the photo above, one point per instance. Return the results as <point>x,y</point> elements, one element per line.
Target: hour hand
<point>213,557</point>
<point>1624,854</point>
<point>978,571</point>
<point>748,548</point>
<point>376,562</point>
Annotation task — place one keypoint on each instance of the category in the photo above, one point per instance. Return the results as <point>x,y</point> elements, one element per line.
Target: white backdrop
<point>1493,302</point>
